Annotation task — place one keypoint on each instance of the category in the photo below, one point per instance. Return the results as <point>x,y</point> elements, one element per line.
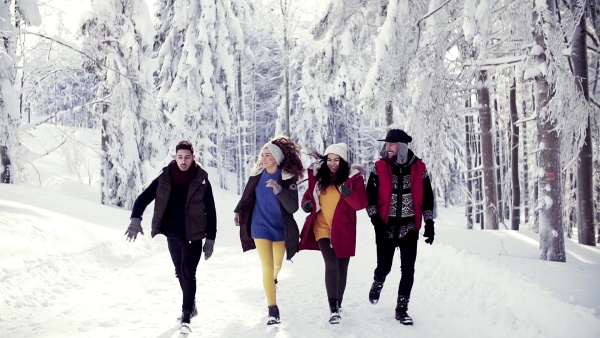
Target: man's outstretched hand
<point>135,227</point>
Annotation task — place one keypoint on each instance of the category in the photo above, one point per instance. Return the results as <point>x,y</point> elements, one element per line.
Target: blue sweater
<point>267,222</point>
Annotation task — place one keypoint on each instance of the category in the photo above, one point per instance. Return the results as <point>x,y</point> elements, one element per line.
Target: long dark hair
<point>291,152</point>
<point>324,177</point>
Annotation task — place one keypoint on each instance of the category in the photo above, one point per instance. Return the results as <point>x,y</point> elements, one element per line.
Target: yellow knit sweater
<point>322,224</point>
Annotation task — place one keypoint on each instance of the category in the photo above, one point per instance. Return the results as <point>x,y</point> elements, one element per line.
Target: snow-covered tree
<point>196,78</point>
<point>55,87</point>
<point>261,80</point>
<point>384,93</point>
<point>333,76</point>
<point>118,35</point>
<point>433,116</point>
<point>585,193</point>
<point>13,15</point>
<point>552,246</point>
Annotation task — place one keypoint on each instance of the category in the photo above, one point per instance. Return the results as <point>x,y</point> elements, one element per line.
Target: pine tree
<point>118,36</point>
<point>196,79</point>
<point>12,17</point>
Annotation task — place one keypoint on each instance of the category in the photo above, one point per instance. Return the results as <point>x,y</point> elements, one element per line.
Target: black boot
<point>194,312</point>
<point>375,291</point>
<point>273,315</point>
<point>335,317</point>
<point>186,318</point>
<point>401,309</point>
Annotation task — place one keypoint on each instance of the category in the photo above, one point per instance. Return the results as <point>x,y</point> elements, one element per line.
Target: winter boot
<point>194,312</point>
<point>375,291</point>
<point>401,309</point>
<point>186,318</point>
<point>273,315</point>
<point>335,317</point>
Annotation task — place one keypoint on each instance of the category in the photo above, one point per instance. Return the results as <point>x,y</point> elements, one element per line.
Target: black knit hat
<point>397,135</point>
<point>185,145</point>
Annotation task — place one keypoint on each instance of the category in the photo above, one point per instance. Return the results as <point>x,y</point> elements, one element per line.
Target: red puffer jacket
<point>343,228</point>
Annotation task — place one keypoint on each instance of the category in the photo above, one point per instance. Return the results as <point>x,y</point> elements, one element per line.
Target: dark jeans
<point>408,256</point>
<point>336,270</point>
<point>186,256</point>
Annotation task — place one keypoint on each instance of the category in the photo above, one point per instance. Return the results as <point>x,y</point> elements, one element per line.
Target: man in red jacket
<point>400,198</point>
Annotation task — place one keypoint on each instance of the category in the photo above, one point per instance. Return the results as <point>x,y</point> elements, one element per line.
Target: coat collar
<point>354,169</point>
<point>284,174</point>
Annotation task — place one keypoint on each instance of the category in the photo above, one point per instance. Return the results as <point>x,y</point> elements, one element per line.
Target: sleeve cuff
<point>371,210</point>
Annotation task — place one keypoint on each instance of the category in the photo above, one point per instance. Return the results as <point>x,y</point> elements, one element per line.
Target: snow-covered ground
<point>66,271</point>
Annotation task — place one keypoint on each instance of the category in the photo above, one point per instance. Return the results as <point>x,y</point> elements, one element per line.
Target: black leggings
<point>408,256</point>
<point>186,256</point>
<point>336,270</point>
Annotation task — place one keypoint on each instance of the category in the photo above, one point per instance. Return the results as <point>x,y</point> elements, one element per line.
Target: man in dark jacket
<point>184,211</point>
<point>400,198</point>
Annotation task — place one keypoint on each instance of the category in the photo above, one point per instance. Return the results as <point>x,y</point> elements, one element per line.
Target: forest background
<point>500,97</point>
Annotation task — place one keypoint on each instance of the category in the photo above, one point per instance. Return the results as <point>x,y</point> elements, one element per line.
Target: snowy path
<point>93,284</point>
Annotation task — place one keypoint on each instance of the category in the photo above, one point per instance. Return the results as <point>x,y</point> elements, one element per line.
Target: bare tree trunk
<point>526,198</point>
<point>498,163</point>
<point>515,217</point>
<point>596,131</point>
<point>487,154</point>
<point>479,174</point>
<point>221,149</point>
<point>5,173</point>
<point>470,194</point>
<point>254,125</point>
<point>104,161</point>
<point>389,114</point>
<point>285,11</point>
<point>287,98</point>
<point>594,12</point>
<point>552,243</point>
<point>9,132</point>
<point>241,129</point>
<point>585,194</point>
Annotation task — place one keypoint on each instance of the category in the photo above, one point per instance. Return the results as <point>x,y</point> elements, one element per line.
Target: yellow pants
<point>271,257</point>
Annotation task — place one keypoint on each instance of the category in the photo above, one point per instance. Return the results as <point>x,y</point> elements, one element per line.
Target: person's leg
<point>342,276</point>
<point>176,251</point>
<point>331,274</point>
<point>192,251</point>
<point>278,253</point>
<point>385,258</point>
<point>265,253</point>
<point>408,256</point>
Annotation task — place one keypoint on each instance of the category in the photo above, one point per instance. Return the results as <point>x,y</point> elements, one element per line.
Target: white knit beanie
<point>340,149</point>
<point>275,151</point>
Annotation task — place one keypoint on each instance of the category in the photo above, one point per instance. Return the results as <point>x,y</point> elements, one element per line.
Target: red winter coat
<point>343,227</point>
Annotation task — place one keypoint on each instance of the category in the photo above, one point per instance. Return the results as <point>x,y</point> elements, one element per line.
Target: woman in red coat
<point>335,192</point>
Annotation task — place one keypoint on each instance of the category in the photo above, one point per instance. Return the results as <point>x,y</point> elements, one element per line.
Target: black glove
<point>344,190</point>
<point>378,224</point>
<point>208,247</point>
<point>135,226</point>
<point>429,233</point>
<point>307,206</point>
<point>376,220</point>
